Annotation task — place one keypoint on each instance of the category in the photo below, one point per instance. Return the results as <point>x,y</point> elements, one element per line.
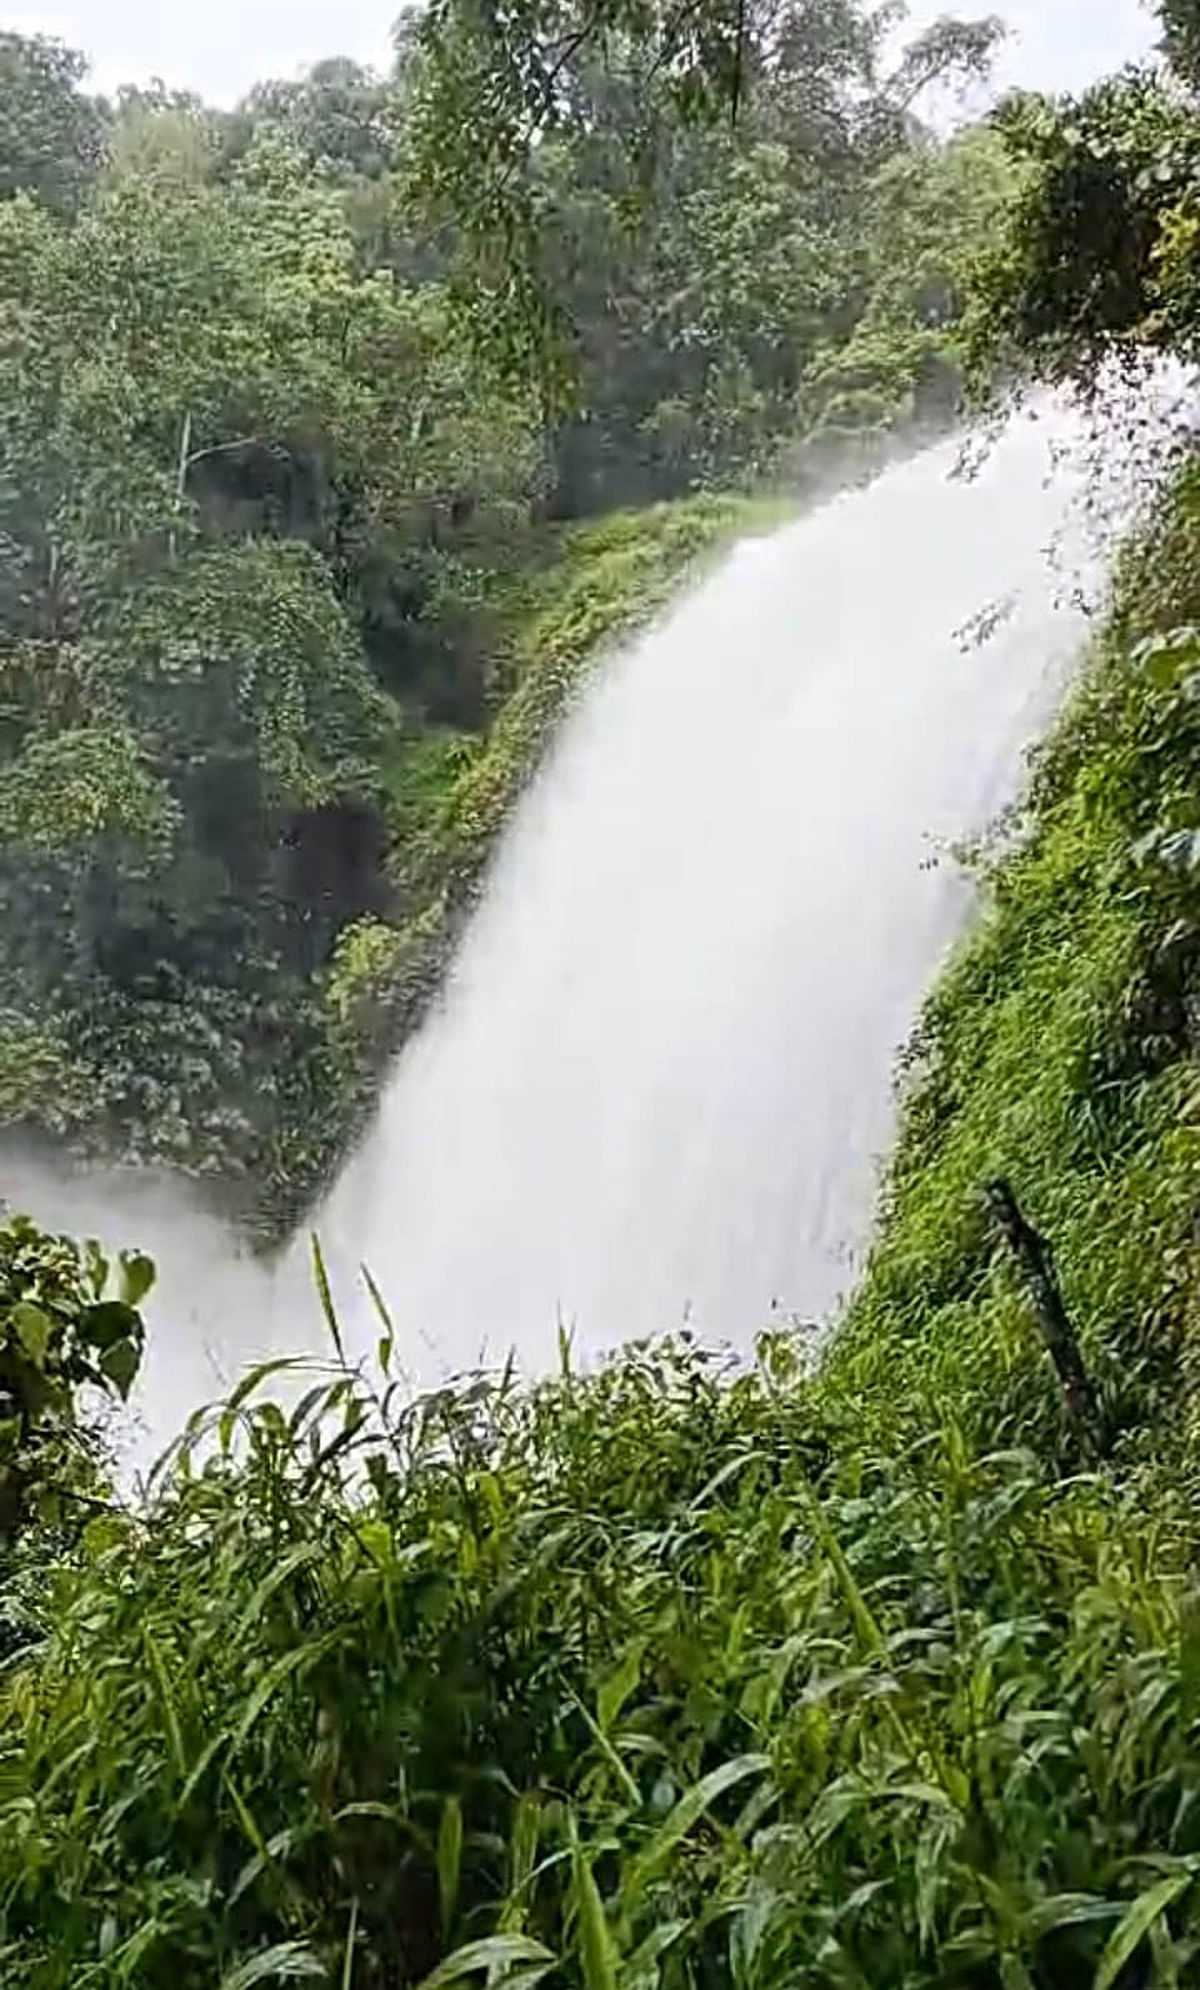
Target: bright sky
<point>223,46</point>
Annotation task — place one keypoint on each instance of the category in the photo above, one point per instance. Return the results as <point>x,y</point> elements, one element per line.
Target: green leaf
<point>295,1558</point>
<point>1162,656</point>
<point>596,1947</point>
<point>1137,1924</point>
<point>348,1954</point>
<point>380,1304</point>
<point>33,1331</point>
<point>449,1861</point>
<point>1189,1654</point>
<point>275,1676</point>
<point>497,1954</point>
<point>615,1690</point>
<point>522,1855</point>
<point>107,1323</point>
<point>286,1962</point>
<point>1066,1910</point>
<point>120,1363</point>
<point>166,1698</point>
<point>199,1767</point>
<point>97,1266</point>
<point>869,1635</point>
<point>528,1979</point>
<point>607,1749</point>
<point>277,1365</point>
<point>137,1277</point>
<point>321,1276</point>
<point>643,1963</point>
<point>691,1806</point>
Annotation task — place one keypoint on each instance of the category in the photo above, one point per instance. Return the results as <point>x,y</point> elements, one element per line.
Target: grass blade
<point>285,1962</point>
<point>348,1958</point>
<point>449,1862</point>
<point>1137,1924</point>
<point>321,1277</point>
<point>497,1954</point>
<point>596,1948</point>
<point>691,1806</point>
<point>166,1702</point>
<point>274,1677</point>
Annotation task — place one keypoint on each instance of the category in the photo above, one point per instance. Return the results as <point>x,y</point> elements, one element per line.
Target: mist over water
<point>658,1084</point>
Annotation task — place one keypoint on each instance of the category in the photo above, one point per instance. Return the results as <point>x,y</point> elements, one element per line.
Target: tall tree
<point>51,134</point>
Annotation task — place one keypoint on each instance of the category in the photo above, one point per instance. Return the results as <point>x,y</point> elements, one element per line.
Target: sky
<point>222,47</point>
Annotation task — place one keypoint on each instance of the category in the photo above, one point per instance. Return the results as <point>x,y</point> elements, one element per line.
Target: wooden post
<point>1033,1257</point>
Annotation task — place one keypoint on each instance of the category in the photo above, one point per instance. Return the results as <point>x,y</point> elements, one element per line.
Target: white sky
<point>223,46</point>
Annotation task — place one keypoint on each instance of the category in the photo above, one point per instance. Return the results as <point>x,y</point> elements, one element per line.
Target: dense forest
<point>876,1671</point>
<point>307,514</point>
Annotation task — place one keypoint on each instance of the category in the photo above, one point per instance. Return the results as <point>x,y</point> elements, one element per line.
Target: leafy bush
<point>60,1332</point>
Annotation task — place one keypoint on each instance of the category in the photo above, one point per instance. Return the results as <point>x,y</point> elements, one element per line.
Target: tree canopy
<point>294,401</point>
<point>1099,258</point>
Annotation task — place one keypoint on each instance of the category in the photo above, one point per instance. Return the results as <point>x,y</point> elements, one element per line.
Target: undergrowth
<point>683,1675</point>
<point>1059,1050</point>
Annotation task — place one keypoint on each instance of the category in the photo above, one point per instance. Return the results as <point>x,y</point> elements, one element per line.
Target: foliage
<point>794,1672</point>
<point>1094,261</point>
<point>339,116</point>
<point>657,1675</point>
<point>504,84</point>
<point>932,209</point>
<point>59,1333</point>
<point>1098,258</point>
<point>285,533</point>
<point>1059,1047</point>
<point>204,405</point>
<point>51,134</point>
<point>1181,37</point>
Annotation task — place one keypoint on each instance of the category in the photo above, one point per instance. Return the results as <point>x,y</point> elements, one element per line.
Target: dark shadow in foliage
<point>331,870</point>
<point>256,486</point>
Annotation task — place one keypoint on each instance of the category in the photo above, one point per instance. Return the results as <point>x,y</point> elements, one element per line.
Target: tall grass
<point>656,1676</point>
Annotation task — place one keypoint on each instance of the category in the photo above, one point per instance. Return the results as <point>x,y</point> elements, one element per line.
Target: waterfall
<point>657,1086</point>
<point>658,1083</point>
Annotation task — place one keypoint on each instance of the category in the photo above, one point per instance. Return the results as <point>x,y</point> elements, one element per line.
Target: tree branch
<point>1033,1257</point>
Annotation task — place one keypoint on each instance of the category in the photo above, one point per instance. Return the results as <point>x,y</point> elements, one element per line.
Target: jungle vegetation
<point>876,1670</point>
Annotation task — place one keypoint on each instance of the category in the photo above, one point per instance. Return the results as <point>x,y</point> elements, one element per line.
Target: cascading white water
<point>658,1083</point>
